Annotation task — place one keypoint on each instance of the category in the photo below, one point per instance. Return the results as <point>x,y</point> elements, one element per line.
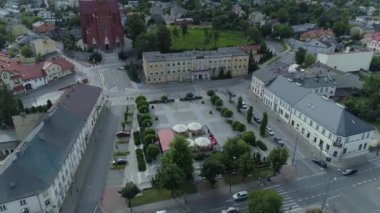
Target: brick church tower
<point>101,24</point>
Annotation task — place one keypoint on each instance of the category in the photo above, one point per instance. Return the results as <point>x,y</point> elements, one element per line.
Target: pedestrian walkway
<point>375,162</point>
<point>288,203</point>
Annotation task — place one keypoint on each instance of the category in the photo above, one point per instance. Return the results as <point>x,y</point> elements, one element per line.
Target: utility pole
<point>294,151</point>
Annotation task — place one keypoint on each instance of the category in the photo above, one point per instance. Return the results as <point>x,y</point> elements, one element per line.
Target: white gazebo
<point>194,126</point>
<point>180,128</point>
<point>202,142</point>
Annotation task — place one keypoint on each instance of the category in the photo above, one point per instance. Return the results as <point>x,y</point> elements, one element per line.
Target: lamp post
<point>294,151</point>
<point>232,169</point>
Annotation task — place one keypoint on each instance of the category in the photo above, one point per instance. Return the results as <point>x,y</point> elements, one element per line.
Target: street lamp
<point>232,169</point>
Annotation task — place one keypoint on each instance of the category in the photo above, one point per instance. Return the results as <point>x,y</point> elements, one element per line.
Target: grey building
<point>315,46</point>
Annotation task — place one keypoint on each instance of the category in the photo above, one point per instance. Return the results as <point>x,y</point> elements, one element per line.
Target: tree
<point>212,167</point>
<point>129,191</point>
<point>252,65</point>
<point>250,114</point>
<point>239,103</point>
<point>171,177</point>
<point>184,29</point>
<point>151,153</point>
<point>282,15</point>
<point>267,201</point>
<point>249,137</point>
<point>164,98</point>
<point>219,103</point>
<point>206,36</point>
<point>245,165</point>
<point>96,57</point>
<point>215,36</point>
<point>340,28</point>
<point>181,155</point>
<point>282,31</point>
<point>26,51</point>
<point>48,104</point>
<point>145,42</point>
<point>210,93</point>
<point>163,39</point>
<point>277,158</point>
<point>175,32</point>
<point>300,55</point>
<point>7,106</point>
<point>309,59</point>
<point>235,147</point>
<point>263,124</point>
<point>375,64</point>
<point>254,34</point>
<point>135,26</point>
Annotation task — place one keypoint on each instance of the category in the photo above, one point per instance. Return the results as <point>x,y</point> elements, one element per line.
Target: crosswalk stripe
<point>287,202</point>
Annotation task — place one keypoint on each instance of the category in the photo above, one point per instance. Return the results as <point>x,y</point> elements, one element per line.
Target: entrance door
<point>200,77</point>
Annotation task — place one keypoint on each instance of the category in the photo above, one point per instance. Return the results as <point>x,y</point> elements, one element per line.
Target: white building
<point>324,123</point>
<point>38,174</point>
<point>347,61</point>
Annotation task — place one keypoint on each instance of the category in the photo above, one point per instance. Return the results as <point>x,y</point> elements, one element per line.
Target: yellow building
<point>194,65</point>
<point>43,46</point>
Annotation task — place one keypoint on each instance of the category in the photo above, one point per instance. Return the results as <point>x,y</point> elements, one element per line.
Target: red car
<point>122,134</point>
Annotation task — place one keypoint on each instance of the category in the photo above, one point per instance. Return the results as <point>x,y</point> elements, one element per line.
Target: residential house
<point>302,28</point>
<point>256,17</point>
<point>326,125</point>
<point>315,46</point>
<point>177,13</point>
<point>347,85</point>
<point>316,34</point>
<point>236,8</point>
<point>193,65</point>
<point>12,79</point>
<point>43,46</point>
<point>42,27</point>
<point>368,20</point>
<point>322,85</point>
<point>347,61</point>
<point>372,41</point>
<point>54,150</point>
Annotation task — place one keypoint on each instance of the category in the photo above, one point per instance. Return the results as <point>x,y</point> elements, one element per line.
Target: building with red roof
<point>372,41</point>
<point>165,136</point>
<point>101,24</point>
<point>20,77</point>
<point>316,34</point>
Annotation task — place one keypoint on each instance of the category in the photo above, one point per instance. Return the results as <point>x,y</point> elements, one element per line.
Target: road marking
<point>228,200</point>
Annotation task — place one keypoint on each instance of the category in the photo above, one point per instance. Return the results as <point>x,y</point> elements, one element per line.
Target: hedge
<point>140,160</point>
<point>261,145</point>
<point>136,138</point>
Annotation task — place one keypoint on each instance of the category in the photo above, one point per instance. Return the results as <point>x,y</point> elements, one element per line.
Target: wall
<point>347,62</point>
<point>35,83</point>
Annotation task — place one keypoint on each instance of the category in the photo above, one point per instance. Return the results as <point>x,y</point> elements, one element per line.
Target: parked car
<point>242,195</point>
<point>244,105</point>
<point>231,210</point>
<point>269,131</point>
<point>256,119</point>
<point>120,68</point>
<point>348,172</point>
<point>121,134</point>
<point>120,161</point>
<point>320,163</point>
<point>279,141</point>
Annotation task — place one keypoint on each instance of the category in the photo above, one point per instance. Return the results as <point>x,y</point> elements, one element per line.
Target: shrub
<point>140,160</point>
<point>210,93</point>
<point>189,95</point>
<point>164,98</point>
<point>140,98</point>
<point>261,145</point>
<point>227,113</point>
<point>241,127</point>
<point>229,121</point>
<point>149,131</point>
<point>143,109</point>
<point>136,138</point>
<point>214,98</point>
<point>145,116</point>
<point>146,123</point>
<point>249,137</point>
<point>200,156</point>
<point>219,103</point>
<point>151,152</point>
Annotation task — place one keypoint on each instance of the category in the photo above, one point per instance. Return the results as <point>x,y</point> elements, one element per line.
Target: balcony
<point>338,145</point>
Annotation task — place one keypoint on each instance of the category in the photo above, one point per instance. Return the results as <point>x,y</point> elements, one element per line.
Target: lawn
<point>256,174</point>
<point>157,194</point>
<point>195,40</point>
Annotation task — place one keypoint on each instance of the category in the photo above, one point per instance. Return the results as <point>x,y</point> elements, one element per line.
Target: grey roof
<point>315,81</point>
<point>44,151</point>
<point>349,80</point>
<point>268,73</point>
<point>287,90</point>
<point>7,135</point>
<point>331,116</point>
<point>225,51</point>
<point>303,27</point>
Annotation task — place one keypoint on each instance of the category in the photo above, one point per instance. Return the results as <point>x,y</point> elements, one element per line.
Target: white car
<point>269,131</point>
<point>120,68</point>
<point>244,105</point>
<point>242,195</point>
<point>231,210</point>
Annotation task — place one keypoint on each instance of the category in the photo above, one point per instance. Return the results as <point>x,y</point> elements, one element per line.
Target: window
<point>365,146</point>
<point>47,202</point>
<point>363,135</point>
<point>323,131</point>
<point>330,135</point>
<point>5,75</point>
<point>344,150</point>
<point>317,127</point>
<point>367,134</point>
<point>3,208</point>
<point>311,122</point>
<point>360,147</point>
<point>22,202</point>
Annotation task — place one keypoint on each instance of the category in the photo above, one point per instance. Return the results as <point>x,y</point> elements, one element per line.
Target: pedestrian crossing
<point>288,203</point>
<point>376,162</point>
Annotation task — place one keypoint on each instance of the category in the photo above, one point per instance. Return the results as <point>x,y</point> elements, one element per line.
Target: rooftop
<point>42,153</point>
<point>225,51</point>
<point>331,116</point>
<point>315,81</point>
<point>282,87</point>
<point>165,136</point>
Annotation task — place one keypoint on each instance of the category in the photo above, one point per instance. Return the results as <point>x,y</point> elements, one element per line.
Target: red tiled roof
<point>315,34</point>
<point>249,48</point>
<point>65,64</point>
<point>27,71</point>
<point>165,136</point>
